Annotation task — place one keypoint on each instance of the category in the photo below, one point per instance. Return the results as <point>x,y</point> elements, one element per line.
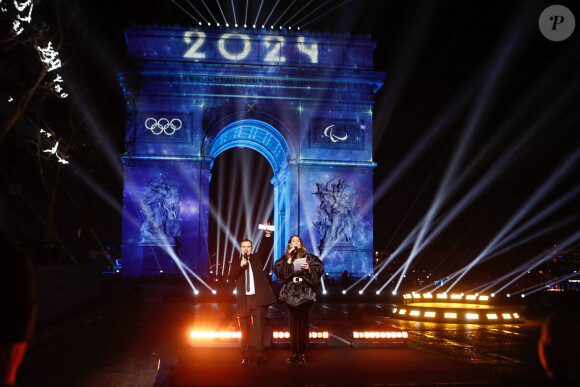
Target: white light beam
<point>184,10</point>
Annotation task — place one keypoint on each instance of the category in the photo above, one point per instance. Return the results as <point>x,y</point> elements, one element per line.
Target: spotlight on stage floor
<point>453,308</point>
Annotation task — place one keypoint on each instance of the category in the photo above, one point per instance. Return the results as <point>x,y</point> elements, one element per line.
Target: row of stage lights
<point>246,26</point>
<point>416,296</point>
<point>283,336</point>
<point>215,335</point>
<point>411,297</point>
<point>445,297</point>
<point>470,316</point>
<point>454,297</point>
<point>379,335</point>
<point>236,335</point>
<point>313,335</point>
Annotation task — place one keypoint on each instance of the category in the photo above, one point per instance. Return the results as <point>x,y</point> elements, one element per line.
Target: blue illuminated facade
<point>302,100</point>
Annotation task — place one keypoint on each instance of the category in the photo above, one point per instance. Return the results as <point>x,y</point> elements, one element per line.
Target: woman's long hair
<point>302,250</point>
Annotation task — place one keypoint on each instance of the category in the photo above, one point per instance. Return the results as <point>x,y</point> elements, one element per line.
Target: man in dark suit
<point>253,295</point>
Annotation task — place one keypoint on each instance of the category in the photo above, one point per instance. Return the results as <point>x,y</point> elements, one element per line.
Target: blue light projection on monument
<point>302,100</point>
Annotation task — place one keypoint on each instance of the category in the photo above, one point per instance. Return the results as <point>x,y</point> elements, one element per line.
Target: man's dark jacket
<point>264,294</point>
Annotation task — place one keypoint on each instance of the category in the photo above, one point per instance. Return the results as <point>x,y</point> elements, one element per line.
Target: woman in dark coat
<point>300,271</point>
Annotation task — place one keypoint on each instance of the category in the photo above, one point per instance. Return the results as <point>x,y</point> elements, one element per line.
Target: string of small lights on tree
<point>20,14</point>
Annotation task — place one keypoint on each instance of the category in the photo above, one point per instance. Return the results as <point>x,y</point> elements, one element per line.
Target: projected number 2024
<point>273,45</point>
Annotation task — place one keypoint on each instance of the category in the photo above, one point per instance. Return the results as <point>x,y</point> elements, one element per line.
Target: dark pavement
<point>119,343</point>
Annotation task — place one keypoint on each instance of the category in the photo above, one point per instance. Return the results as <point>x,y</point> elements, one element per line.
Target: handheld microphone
<point>245,256</point>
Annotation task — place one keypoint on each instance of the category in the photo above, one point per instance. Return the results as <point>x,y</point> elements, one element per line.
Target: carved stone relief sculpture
<point>335,222</point>
<point>160,209</point>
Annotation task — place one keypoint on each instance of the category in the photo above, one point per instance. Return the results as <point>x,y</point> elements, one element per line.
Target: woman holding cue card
<point>300,271</point>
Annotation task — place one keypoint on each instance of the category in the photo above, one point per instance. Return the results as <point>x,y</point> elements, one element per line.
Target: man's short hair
<point>247,240</point>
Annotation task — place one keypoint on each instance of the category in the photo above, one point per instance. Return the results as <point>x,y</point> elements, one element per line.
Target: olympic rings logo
<point>163,125</point>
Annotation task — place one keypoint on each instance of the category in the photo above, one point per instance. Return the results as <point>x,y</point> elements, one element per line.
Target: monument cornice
<point>331,163</point>
<point>232,86</point>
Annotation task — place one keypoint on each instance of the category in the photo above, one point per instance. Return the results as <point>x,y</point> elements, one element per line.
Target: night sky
<point>470,84</point>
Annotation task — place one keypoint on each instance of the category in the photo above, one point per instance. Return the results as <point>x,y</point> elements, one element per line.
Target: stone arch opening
<point>256,135</point>
<point>267,141</point>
